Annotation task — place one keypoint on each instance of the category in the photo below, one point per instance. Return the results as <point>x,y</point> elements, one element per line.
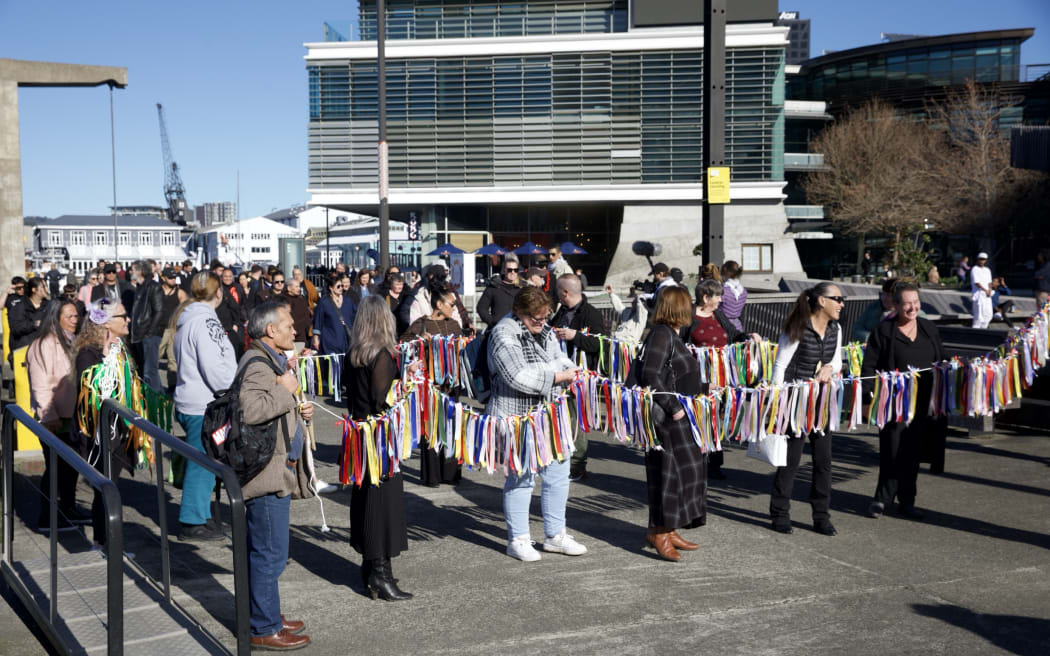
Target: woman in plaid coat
<point>676,477</point>
<point>529,368</point>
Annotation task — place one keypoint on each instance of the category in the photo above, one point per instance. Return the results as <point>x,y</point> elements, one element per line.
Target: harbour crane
<point>174,191</point>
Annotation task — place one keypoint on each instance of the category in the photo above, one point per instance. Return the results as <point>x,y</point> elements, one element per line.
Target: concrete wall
<point>676,227</point>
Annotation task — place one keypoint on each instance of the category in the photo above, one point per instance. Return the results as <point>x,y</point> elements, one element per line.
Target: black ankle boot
<point>381,582</point>
<point>366,572</point>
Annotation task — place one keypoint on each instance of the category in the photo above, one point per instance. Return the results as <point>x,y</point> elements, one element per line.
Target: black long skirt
<point>436,468</point>
<point>676,479</point>
<point>377,519</point>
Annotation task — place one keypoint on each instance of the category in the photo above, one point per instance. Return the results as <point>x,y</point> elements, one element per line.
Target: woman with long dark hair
<point>49,361</point>
<point>902,341</point>
<point>810,348</point>
<point>676,476</point>
<point>333,318</point>
<point>378,530</point>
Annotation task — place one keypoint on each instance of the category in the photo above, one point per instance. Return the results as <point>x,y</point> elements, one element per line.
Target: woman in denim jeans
<point>529,368</point>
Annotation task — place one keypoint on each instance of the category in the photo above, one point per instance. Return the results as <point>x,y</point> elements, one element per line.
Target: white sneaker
<point>521,548</point>
<point>564,544</point>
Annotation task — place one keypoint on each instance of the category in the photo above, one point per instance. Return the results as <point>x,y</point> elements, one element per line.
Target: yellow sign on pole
<point>718,184</point>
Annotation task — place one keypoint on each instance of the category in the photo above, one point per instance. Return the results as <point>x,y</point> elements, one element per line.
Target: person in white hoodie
<point>206,364</point>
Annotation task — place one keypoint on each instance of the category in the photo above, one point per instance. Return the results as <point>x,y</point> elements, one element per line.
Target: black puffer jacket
<point>810,351</point>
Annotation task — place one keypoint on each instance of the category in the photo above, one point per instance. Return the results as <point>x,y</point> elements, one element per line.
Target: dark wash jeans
<point>267,555</point>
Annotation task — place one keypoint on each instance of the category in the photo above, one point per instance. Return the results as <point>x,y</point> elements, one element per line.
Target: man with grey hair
<point>576,324</point>
<point>267,396</point>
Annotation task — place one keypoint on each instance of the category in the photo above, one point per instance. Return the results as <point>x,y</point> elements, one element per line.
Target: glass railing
<point>803,160</point>
<point>340,30</point>
<point>804,212</point>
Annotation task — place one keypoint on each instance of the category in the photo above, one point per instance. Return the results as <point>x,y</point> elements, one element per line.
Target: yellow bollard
<point>26,440</point>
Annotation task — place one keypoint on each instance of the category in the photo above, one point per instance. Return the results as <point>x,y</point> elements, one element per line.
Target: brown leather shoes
<point>679,542</point>
<point>280,641</point>
<point>661,541</point>
<point>292,626</point>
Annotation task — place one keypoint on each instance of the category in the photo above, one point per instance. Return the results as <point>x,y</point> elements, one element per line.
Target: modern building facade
<point>251,241</point>
<point>210,214</point>
<point>798,36</point>
<point>548,121</point>
<point>907,72</point>
<point>77,242</point>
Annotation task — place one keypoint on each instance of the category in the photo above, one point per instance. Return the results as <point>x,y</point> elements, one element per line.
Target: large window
<point>54,238</point>
<point>456,19</point>
<point>167,239</point>
<point>123,238</point>
<point>145,238</point>
<point>77,238</point>
<point>572,118</point>
<point>756,258</point>
<point>101,238</point>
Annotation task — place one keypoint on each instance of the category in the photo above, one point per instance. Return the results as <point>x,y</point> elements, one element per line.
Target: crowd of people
<point>218,329</point>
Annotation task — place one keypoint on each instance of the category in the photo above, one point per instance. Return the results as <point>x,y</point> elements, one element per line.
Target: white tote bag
<point>772,449</point>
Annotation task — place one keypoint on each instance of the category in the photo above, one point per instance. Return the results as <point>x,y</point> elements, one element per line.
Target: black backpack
<point>246,448</point>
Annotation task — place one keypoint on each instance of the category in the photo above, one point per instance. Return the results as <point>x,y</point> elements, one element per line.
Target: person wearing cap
<point>981,292</point>
<point>110,286</point>
<point>173,297</point>
<point>662,278</point>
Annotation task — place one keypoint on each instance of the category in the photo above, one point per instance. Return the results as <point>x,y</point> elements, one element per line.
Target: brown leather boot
<point>661,541</point>
<point>681,543</point>
<point>280,641</point>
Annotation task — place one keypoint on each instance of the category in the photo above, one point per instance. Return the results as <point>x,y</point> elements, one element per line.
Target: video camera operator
<point>661,278</point>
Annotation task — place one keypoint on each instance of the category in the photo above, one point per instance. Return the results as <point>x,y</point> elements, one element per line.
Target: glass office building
<point>549,121</point>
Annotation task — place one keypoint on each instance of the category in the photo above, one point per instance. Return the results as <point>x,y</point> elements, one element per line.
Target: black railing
<point>238,522</point>
<point>114,526</point>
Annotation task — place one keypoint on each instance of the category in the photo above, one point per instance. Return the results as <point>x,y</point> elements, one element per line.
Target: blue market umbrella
<point>447,249</point>
<point>529,248</point>
<point>491,248</point>
<point>569,248</point>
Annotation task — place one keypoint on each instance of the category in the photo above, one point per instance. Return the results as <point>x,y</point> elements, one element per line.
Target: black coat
<point>125,292</point>
<point>148,314</point>
<point>587,317</point>
<point>24,320</point>
<point>496,301</point>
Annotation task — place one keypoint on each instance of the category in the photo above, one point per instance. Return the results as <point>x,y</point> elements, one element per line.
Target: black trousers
<point>66,484</point>
<point>819,487</point>
<point>899,451</point>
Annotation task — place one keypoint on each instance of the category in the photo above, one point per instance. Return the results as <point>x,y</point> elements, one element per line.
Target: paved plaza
<point>973,578</point>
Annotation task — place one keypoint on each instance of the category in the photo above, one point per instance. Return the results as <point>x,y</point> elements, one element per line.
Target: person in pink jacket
<point>53,396</point>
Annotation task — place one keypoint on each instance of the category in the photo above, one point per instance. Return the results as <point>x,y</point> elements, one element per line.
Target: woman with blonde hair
<point>676,477</point>
<point>206,364</point>
<point>378,530</point>
<point>53,398</point>
<point>105,326</point>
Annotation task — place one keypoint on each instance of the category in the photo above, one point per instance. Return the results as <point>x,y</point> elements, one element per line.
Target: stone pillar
<point>12,251</point>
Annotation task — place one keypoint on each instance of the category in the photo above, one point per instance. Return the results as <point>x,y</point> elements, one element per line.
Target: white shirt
<point>980,278</point>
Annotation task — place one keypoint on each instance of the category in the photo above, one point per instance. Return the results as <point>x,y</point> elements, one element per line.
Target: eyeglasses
<point>839,299</point>
<point>542,319</point>
<point>124,316</point>
<point>514,270</point>
<point>278,282</point>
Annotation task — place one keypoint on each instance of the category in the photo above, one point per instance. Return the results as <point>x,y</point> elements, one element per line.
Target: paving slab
<point>973,578</point>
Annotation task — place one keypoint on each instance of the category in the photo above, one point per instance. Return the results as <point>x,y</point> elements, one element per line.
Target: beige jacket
<point>264,399</point>
<point>53,392</point>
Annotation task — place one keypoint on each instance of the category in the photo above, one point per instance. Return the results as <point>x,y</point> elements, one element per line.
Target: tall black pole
<point>714,215</point>
<point>384,160</point>
<point>327,244</point>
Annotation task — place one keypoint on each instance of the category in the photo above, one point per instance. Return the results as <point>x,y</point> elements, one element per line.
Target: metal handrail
<point>114,514</point>
<point>162,438</point>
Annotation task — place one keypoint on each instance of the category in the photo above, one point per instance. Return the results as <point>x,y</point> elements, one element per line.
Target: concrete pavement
<point>973,578</point>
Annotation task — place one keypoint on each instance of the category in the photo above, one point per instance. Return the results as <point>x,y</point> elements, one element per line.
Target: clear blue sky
<point>232,80</point>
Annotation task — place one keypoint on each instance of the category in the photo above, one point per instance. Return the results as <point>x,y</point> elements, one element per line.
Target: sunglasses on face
<point>121,316</point>
<point>278,282</point>
<point>838,299</point>
<point>512,270</point>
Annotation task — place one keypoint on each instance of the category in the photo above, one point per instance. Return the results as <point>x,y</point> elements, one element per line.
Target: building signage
<point>717,184</point>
